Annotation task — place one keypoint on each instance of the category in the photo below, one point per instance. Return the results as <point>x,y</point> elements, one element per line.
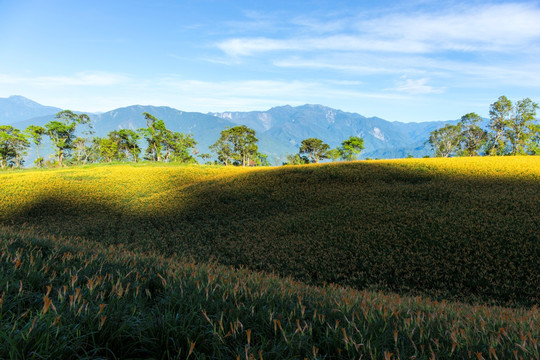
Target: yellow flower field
<point>411,259</point>
<point>464,228</point>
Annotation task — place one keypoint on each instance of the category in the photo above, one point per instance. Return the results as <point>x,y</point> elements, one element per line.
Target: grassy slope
<point>464,229</point>
<point>66,299</point>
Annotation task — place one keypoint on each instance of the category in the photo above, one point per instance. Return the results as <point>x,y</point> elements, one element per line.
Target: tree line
<point>71,136</point>
<point>512,130</point>
<point>313,150</point>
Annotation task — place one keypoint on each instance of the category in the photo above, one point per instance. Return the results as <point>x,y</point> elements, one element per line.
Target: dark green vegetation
<point>67,298</point>
<point>452,230</point>
<point>512,130</point>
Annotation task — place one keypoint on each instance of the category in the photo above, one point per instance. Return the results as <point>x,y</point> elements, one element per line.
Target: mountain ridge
<point>18,108</point>
<point>280,129</point>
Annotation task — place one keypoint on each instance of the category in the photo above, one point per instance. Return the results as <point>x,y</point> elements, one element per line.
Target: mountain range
<point>279,129</point>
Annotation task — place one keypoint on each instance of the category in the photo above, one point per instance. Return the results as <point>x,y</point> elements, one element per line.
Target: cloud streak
<point>416,87</point>
<point>491,27</point>
<point>87,78</point>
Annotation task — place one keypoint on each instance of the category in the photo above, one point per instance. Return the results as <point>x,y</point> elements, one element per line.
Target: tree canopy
<point>13,146</point>
<point>62,131</point>
<point>36,133</point>
<point>315,149</point>
<point>512,130</point>
<point>237,145</point>
<point>351,147</point>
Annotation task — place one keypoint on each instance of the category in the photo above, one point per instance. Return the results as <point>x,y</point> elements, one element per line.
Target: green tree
<point>179,147</point>
<point>521,127</point>
<point>80,145</point>
<point>315,148</point>
<point>473,137</point>
<point>154,133</point>
<point>13,146</point>
<point>499,113</point>
<point>236,145</point>
<point>108,149</point>
<point>534,146</point>
<point>445,141</point>
<point>262,160</point>
<point>296,159</point>
<point>128,143</point>
<point>62,131</point>
<point>36,132</point>
<point>334,154</point>
<point>351,147</point>
<point>205,157</point>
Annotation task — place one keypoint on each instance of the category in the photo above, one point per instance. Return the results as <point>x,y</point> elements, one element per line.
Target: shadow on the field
<point>365,225</point>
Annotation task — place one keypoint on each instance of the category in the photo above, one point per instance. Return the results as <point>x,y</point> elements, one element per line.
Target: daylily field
<point>401,259</point>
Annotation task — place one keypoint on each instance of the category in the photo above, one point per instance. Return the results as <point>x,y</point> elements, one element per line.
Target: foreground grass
<point>64,298</point>
<point>454,229</point>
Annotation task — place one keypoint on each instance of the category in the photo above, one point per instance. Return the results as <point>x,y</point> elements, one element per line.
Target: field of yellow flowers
<point>130,260</point>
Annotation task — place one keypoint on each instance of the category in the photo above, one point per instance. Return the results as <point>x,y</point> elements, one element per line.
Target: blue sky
<point>400,60</point>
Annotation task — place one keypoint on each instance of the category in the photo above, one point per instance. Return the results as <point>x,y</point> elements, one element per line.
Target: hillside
<point>461,229</point>
<point>382,138</point>
<point>18,108</point>
<point>158,260</point>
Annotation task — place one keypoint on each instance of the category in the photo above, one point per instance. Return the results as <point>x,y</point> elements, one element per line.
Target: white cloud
<point>491,27</point>
<point>87,78</point>
<point>357,65</point>
<point>416,87</point>
<point>251,46</point>
<point>280,92</point>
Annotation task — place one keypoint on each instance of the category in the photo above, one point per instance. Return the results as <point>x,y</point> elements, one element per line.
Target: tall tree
<point>351,147</point>
<point>13,146</point>
<point>521,127</point>
<point>473,137</point>
<point>534,146</point>
<point>179,147</point>
<point>36,132</point>
<point>80,145</point>
<point>499,113</point>
<point>62,131</point>
<point>334,154</point>
<point>236,145</point>
<point>108,149</point>
<point>128,143</point>
<point>315,148</point>
<point>154,133</point>
<point>445,141</point>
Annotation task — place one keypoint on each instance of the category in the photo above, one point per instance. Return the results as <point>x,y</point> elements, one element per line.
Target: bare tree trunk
<point>60,158</point>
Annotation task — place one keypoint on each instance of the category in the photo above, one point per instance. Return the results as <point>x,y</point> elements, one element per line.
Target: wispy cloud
<point>416,87</point>
<point>366,65</point>
<point>280,91</point>
<point>87,78</point>
<point>491,27</point>
<point>251,46</point>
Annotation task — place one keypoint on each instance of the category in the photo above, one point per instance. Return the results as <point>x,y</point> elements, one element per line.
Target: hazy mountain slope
<point>17,108</point>
<point>279,130</point>
<point>290,125</point>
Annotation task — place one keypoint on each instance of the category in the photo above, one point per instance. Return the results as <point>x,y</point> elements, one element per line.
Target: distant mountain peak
<point>18,108</point>
<point>23,101</point>
<point>280,129</point>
